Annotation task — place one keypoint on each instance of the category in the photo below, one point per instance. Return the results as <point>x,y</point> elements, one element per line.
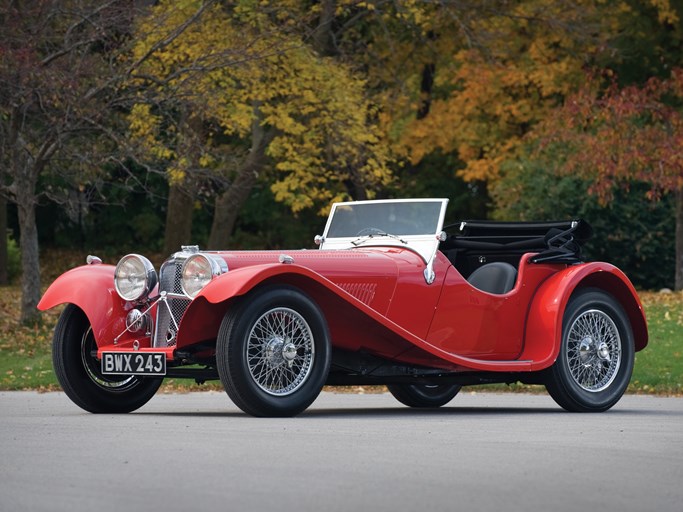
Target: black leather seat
<point>497,277</point>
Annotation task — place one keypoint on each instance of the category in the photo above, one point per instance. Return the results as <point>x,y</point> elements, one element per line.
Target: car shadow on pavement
<point>441,411</point>
<point>370,412</point>
<point>404,412</point>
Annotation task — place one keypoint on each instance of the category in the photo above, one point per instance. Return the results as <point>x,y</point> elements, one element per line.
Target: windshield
<point>414,224</point>
<point>372,218</point>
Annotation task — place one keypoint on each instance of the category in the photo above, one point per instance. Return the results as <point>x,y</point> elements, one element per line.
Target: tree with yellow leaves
<point>241,93</point>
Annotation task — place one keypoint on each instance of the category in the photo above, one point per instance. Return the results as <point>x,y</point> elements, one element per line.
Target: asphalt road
<point>484,452</point>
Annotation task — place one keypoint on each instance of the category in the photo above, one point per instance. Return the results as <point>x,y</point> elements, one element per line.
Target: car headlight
<point>134,277</point>
<point>199,270</point>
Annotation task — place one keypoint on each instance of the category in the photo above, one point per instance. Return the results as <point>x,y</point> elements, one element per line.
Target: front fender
<point>205,313</point>
<point>242,280</point>
<point>543,333</point>
<point>91,288</point>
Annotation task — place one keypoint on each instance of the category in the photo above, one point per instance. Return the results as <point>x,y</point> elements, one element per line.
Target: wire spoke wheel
<point>593,350</point>
<point>273,351</point>
<point>595,361</point>
<point>280,351</point>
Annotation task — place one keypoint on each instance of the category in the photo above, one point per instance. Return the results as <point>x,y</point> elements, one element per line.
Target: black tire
<point>79,372</point>
<point>424,395</point>
<point>596,356</point>
<point>273,352</point>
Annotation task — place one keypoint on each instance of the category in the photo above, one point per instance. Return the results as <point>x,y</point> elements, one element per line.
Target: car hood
<point>369,274</point>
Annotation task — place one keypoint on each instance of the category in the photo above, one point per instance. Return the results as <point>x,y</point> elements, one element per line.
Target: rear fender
<point>544,322</point>
<point>91,288</point>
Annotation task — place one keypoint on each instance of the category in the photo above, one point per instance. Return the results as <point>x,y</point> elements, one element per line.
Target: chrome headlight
<point>199,270</point>
<point>134,277</point>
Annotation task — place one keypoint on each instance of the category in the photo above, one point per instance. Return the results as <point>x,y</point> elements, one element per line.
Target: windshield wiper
<point>365,238</point>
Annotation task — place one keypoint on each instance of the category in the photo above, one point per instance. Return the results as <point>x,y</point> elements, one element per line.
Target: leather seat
<point>497,277</point>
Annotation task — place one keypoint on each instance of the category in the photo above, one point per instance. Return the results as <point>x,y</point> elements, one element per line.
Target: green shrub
<point>631,232</point>
<point>13,259</point>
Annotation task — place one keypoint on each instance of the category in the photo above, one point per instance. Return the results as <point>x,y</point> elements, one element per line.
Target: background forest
<point>137,125</point>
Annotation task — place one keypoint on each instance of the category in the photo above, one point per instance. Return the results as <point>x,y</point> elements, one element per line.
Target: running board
<point>515,365</point>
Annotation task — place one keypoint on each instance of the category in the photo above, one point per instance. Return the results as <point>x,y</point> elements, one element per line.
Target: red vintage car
<point>391,297</point>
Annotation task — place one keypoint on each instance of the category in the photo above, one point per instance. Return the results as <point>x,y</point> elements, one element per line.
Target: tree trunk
<point>426,87</point>
<point>356,188</point>
<point>178,219</point>
<point>181,196</point>
<point>30,260</point>
<point>4,256</point>
<point>229,204</point>
<point>25,171</point>
<point>323,37</point>
<point>678,283</point>
<point>427,84</point>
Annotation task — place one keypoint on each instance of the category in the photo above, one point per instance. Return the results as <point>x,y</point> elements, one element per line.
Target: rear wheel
<point>78,370</point>
<point>424,395</point>
<point>596,357</point>
<point>273,352</point>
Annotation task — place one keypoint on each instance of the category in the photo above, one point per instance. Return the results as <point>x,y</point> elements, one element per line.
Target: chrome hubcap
<point>280,351</point>
<point>273,351</point>
<point>603,351</point>
<point>289,354</point>
<point>593,350</point>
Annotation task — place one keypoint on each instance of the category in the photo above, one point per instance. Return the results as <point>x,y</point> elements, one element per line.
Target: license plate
<point>133,363</point>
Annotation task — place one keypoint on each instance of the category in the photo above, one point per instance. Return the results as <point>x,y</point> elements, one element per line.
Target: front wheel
<point>424,395</point>
<point>596,357</point>
<point>273,352</point>
<point>78,371</point>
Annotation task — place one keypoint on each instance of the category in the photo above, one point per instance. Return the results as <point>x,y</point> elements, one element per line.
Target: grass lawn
<point>25,358</point>
<point>659,368</point>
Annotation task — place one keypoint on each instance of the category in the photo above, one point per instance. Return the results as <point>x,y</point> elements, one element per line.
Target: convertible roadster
<point>391,297</point>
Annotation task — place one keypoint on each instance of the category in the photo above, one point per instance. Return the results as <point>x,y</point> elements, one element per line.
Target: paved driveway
<point>193,452</point>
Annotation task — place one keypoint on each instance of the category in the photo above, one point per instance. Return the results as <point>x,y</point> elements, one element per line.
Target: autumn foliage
<point>320,101</point>
<point>620,135</point>
<point>239,66</point>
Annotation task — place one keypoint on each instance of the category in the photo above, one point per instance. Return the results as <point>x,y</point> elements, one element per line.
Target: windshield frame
<point>424,244</point>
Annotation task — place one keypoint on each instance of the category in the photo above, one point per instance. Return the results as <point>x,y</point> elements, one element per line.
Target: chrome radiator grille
<point>172,310</point>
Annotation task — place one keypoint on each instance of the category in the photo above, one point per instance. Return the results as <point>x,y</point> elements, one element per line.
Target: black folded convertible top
<point>479,241</point>
<point>580,229</point>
